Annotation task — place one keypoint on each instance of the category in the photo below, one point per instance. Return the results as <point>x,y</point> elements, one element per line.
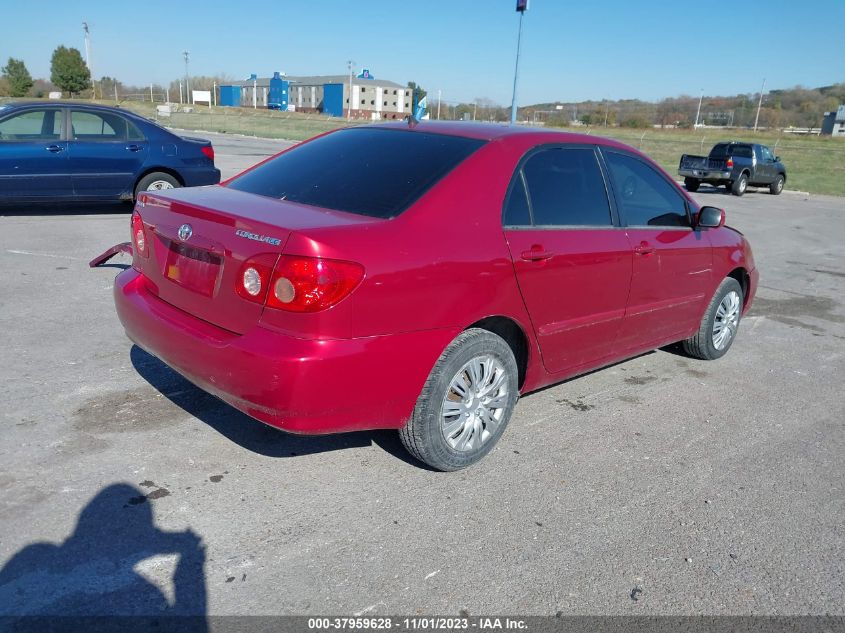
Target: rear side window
<point>644,196</point>
<point>101,126</point>
<point>727,150</point>
<point>369,171</point>
<point>566,188</point>
<point>516,207</point>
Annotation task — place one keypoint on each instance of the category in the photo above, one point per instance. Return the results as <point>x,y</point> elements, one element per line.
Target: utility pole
<point>181,102</point>
<point>759,104</point>
<point>698,112</point>
<point>438,104</point>
<point>88,59</point>
<point>606,112</point>
<point>186,54</point>
<point>474,109</point>
<point>521,8</point>
<point>350,64</point>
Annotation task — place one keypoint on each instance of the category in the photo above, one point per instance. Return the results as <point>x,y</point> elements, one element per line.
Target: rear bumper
<point>302,386</point>
<point>199,176</point>
<point>705,174</point>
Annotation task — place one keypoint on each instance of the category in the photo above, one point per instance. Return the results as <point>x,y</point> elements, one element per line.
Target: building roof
<point>319,80</point>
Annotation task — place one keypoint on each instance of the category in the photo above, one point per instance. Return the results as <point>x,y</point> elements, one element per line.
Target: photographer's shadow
<point>93,572</point>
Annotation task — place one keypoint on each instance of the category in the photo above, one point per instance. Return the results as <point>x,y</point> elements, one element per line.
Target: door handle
<point>134,148</point>
<point>536,255</point>
<point>54,148</point>
<point>644,248</point>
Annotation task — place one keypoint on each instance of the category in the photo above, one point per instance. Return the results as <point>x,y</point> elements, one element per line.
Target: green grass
<point>815,164</point>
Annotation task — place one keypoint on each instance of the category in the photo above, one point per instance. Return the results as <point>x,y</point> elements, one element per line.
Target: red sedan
<point>422,278</point>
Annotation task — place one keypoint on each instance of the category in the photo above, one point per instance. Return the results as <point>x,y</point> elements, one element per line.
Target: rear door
<point>572,263</point>
<point>106,153</point>
<point>671,263</point>
<point>33,155</point>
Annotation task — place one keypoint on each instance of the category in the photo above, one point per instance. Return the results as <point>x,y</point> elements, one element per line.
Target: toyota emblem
<point>185,232</point>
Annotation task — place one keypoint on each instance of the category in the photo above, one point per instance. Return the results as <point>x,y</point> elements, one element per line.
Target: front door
<point>573,265</point>
<point>672,262</point>
<point>33,155</point>
<point>106,152</point>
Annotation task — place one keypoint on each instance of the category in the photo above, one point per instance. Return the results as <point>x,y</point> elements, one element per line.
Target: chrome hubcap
<point>727,320</point>
<point>779,186</point>
<point>475,403</point>
<point>158,185</point>
<point>743,184</point>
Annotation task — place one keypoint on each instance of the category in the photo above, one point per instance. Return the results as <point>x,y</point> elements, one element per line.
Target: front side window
<point>645,197</point>
<point>369,171</point>
<point>566,188</point>
<point>767,153</point>
<point>101,126</point>
<point>33,125</point>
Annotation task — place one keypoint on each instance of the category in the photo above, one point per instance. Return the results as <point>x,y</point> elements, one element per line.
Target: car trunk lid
<point>200,238</point>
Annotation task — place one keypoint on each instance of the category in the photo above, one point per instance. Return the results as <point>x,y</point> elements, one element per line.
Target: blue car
<point>69,152</point>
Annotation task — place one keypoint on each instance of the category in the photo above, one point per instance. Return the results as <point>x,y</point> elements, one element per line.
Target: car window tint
<point>742,151</point>
<point>99,126</point>
<point>33,125</point>
<point>377,172</point>
<point>645,197</point>
<point>767,153</point>
<point>516,207</point>
<point>566,188</point>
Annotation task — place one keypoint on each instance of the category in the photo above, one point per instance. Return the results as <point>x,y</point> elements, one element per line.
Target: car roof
<point>20,105</point>
<point>493,132</point>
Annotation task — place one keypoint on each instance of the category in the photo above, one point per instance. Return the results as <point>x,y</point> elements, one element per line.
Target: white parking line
<point>77,259</point>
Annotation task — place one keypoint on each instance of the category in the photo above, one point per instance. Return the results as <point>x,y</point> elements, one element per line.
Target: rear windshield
<point>726,150</point>
<point>369,171</point>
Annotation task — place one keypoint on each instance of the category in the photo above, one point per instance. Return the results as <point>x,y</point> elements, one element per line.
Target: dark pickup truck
<point>735,165</point>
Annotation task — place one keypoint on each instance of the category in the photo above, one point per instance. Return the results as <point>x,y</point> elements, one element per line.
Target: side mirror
<point>711,217</point>
<point>777,159</point>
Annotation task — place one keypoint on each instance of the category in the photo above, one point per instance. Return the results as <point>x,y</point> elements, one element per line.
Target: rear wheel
<point>719,324</point>
<point>156,181</point>
<point>777,186</point>
<point>691,184</point>
<point>740,185</point>
<point>466,402</point>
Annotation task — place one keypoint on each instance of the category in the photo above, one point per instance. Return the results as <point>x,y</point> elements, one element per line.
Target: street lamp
<point>350,64</point>
<point>521,8</point>
<point>185,54</point>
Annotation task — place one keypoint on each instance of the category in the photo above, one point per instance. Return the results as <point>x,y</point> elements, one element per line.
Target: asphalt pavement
<point>660,485</point>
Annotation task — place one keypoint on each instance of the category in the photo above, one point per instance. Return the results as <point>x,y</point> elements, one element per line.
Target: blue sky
<point>616,49</point>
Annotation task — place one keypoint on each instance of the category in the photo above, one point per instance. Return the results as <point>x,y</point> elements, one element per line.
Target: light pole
<point>438,105</point>
<point>88,59</point>
<point>759,104</point>
<point>698,112</point>
<point>186,54</point>
<point>350,65</point>
<point>521,8</point>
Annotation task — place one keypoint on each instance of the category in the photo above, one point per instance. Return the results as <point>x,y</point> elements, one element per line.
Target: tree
<point>68,71</point>
<point>17,77</point>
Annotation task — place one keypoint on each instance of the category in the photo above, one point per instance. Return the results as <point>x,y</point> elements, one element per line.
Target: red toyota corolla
<point>421,278</point>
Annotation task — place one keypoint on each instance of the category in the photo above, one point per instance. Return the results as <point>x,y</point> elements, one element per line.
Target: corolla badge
<point>185,232</point>
<point>273,241</point>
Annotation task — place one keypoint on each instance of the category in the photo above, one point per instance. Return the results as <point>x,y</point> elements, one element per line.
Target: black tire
<point>424,435</point>
<point>777,186</point>
<point>740,185</point>
<point>692,184</point>
<point>702,345</point>
<point>150,179</point>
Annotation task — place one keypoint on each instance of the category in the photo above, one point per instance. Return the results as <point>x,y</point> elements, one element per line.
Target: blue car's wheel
<point>156,181</point>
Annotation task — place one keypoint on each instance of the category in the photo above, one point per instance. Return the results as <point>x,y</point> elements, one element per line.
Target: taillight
<point>139,236</point>
<point>208,150</point>
<point>730,162</point>
<point>310,284</point>
<point>254,277</point>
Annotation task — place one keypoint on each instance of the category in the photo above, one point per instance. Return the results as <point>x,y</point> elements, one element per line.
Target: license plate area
<point>192,268</point>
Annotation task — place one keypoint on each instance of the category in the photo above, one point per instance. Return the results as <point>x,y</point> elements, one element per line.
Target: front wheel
<point>691,184</point>
<point>777,186</point>
<point>156,181</point>
<point>719,324</point>
<point>466,402</point>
